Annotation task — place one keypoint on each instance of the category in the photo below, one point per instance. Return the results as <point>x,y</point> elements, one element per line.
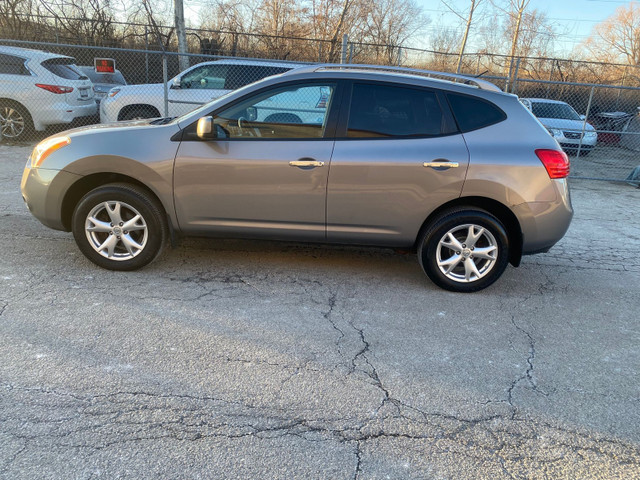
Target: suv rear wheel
<point>15,121</point>
<point>120,226</point>
<point>464,250</point>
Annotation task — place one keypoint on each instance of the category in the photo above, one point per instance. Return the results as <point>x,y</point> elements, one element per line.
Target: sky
<point>573,19</point>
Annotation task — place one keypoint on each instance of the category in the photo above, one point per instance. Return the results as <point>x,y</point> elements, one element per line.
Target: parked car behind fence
<point>103,82</point>
<point>38,89</point>
<point>198,84</point>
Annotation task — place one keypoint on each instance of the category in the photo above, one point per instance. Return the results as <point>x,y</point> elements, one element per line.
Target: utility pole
<point>178,8</point>
<point>520,6</point>
<point>466,35</point>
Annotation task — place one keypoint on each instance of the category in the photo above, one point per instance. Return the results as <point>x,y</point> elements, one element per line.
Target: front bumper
<point>43,192</point>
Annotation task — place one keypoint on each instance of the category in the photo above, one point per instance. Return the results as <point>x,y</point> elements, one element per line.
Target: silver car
<point>571,130</point>
<point>360,155</point>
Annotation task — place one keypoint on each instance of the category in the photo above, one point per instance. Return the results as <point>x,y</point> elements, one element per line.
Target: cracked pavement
<point>247,359</point>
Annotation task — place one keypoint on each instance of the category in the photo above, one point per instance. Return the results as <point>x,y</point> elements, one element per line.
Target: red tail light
<point>55,88</point>
<point>556,162</point>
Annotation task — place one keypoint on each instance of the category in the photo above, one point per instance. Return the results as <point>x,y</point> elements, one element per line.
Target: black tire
<point>15,121</point>
<point>138,113</point>
<point>150,232</point>
<point>493,241</point>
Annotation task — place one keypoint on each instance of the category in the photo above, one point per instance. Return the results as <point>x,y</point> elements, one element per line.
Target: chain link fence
<point>598,125</point>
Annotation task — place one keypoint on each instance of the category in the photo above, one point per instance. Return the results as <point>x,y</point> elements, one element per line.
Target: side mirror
<point>583,117</point>
<point>205,130</point>
<point>176,83</point>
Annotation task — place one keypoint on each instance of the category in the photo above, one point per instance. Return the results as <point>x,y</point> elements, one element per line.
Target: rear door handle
<point>306,162</point>
<point>441,164</point>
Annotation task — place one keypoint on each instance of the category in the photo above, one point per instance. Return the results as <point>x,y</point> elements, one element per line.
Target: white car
<point>193,87</point>
<point>102,82</point>
<point>564,124</point>
<point>38,89</point>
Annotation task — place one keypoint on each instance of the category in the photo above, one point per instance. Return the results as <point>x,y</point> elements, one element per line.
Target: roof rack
<point>481,84</point>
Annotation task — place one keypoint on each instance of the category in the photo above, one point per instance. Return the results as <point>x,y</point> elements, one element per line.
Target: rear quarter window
<point>64,68</point>
<point>472,113</point>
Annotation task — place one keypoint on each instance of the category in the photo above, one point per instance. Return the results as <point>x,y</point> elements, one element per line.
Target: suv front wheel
<point>120,226</point>
<point>464,250</point>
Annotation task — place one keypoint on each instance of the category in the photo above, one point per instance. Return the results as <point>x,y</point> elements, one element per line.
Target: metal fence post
<point>507,86</point>
<point>550,78</point>
<point>146,54</point>
<point>624,76</point>
<point>345,40</point>
<point>514,84</point>
<point>584,123</point>
<point>165,80</point>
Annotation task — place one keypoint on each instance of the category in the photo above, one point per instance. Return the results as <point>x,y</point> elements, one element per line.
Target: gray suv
<point>453,168</point>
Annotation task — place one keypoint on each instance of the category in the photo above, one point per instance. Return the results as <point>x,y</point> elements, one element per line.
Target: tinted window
<point>472,113</point>
<point>12,65</point>
<point>241,75</point>
<point>227,77</point>
<point>64,68</point>
<point>389,111</point>
<point>292,112</point>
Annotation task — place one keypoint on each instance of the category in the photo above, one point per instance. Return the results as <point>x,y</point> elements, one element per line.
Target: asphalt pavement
<point>263,360</point>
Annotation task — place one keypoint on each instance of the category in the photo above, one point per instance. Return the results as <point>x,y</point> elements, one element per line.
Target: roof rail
<point>481,84</point>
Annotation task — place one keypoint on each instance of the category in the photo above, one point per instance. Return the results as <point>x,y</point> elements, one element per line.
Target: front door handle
<point>441,164</point>
<point>306,162</point>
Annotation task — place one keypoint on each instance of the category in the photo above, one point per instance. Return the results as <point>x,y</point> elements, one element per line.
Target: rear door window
<point>379,111</point>
<point>473,113</point>
<point>64,68</point>
<point>12,65</point>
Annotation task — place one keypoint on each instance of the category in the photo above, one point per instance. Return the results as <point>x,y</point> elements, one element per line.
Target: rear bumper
<point>543,224</point>
<point>62,113</point>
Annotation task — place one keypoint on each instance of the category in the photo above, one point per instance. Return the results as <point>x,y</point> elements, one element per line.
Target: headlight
<point>114,91</point>
<point>555,132</point>
<point>46,148</point>
<point>591,134</point>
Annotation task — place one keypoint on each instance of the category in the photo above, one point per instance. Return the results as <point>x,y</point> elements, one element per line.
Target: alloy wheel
<point>466,253</point>
<point>116,230</point>
<point>11,122</point>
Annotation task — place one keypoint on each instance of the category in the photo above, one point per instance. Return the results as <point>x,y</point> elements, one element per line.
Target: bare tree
<point>444,43</point>
<point>617,38</point>
<point>390,24</point>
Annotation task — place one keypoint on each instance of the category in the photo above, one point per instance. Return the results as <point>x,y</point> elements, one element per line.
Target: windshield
<point>554,110</point>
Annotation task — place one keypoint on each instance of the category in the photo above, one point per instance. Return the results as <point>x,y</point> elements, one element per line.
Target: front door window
<point>292,112</point>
